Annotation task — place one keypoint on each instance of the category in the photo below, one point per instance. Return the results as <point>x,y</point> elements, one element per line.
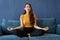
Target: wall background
<point>12,9</point>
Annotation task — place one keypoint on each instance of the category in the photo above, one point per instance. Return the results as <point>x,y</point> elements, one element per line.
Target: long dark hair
<point>31,15</point>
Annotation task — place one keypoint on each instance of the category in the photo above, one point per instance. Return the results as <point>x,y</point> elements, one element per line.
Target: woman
<point>28,22</point>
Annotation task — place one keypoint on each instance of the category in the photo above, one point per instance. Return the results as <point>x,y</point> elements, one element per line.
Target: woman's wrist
<point>42,28</point>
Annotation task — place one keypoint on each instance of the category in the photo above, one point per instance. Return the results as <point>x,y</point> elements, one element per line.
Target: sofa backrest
<point>47,22</point>
<point>9,23</point>
<point>42,22</point>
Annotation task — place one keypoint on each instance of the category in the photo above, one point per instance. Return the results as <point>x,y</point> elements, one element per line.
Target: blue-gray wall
<point>12,9</point>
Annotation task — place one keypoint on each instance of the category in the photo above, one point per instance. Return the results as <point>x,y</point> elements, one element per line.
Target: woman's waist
<point>28,26</point>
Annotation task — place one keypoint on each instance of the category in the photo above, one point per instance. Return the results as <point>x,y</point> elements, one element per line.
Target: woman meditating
<point>28,23</point>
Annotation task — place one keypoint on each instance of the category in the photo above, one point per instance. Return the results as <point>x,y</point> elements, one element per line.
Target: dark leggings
<point>33,32</point>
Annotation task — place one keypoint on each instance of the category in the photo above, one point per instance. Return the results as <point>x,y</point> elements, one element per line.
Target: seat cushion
<point>47,22</point>
<point>9,37</point>
<point>9,23</point>
<point>46,37</point>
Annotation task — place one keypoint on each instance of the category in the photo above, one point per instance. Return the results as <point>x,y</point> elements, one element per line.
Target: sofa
<point>52,34</point>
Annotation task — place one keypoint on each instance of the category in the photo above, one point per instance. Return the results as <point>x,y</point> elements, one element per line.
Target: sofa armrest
<point>1,32</point>
<point>58,29</point>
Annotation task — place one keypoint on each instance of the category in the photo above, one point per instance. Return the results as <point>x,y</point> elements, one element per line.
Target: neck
<point>27,12</point>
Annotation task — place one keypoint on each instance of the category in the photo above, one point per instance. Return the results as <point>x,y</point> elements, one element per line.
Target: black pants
<point>33,32</point>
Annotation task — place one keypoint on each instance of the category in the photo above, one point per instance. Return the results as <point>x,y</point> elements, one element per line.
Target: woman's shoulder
<point>21,15</point>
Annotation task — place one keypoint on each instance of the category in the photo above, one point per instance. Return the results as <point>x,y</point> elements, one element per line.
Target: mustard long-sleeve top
<point>26,21</point>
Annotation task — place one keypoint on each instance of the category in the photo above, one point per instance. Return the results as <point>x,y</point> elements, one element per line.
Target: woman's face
<point>27,8</point>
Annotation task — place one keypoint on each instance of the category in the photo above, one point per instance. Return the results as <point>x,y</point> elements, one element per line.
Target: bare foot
<point>29,35</point>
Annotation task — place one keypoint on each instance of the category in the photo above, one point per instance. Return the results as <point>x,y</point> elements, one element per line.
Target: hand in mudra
<point>10,28</point>
<point>46,28</point>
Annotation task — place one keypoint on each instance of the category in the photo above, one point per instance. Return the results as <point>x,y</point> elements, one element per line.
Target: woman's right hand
<point>10,28</point>
<point>46,28</point>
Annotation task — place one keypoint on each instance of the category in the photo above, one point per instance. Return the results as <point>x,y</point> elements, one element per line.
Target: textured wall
<point>12,9</point>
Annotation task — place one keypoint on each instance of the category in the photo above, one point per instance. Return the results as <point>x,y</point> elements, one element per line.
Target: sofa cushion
<point>9,37</point>
<point>9,23</point>
<point>46,37</point>
<point>50,22</point>
<point>12,37</point>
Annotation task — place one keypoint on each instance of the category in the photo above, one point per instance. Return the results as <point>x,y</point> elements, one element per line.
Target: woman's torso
<point>26,21</point>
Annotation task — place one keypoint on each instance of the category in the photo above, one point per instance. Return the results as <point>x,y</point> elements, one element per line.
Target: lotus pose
<point>28,23</point>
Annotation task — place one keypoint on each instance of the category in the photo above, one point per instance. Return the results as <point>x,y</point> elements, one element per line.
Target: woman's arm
<point>37,27</point>
<point>19,27</point>
<point>21,23</point>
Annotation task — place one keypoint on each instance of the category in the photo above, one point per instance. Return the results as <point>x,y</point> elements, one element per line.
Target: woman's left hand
<point>45,29</point>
